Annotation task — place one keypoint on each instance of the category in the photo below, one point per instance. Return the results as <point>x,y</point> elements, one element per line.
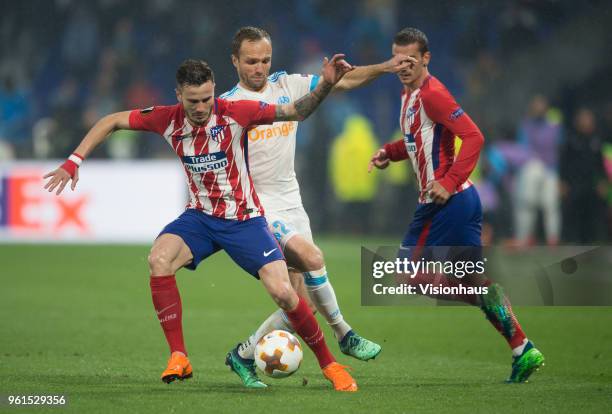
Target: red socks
<point>516,336</point>
<point>305,324</point>
<point>167,303</point>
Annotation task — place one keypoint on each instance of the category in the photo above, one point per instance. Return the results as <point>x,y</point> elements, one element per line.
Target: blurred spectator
<point>584,181</point>
<point>518,23</point>
<point>81,42</point>
<point>141,94</point>
<point>66,111</point>
<point>43,133</point>
<point>374,26</point>
<point>7,152</point>
<point>607,122</point>
<point>480,77</point>
<point>537,182</point>
<point>118,58</point>
<point>14,112</point>
<point>353,186</point>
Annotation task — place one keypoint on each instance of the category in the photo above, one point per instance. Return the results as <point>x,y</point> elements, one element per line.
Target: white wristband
<point>75,159</point>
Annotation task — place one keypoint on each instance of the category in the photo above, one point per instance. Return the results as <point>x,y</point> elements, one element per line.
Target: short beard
<point>255,87</point>
<point>199,123</point>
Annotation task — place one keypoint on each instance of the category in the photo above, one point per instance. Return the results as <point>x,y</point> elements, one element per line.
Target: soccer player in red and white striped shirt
<point>209,135</point>
<point>449,211</point>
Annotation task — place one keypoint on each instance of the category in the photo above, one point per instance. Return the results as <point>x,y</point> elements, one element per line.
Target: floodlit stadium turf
<point>78,321</point>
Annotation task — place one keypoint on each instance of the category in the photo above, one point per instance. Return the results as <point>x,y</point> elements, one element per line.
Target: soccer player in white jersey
<point>271,163</point>
<point>224,211</point>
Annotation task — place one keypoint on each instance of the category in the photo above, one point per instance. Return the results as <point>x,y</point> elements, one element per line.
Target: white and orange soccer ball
<point>278,354</point>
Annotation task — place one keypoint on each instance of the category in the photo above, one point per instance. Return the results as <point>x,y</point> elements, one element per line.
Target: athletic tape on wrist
<point>72,163</point>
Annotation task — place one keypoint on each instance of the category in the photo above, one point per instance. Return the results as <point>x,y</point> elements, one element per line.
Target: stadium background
<point>64,64</point>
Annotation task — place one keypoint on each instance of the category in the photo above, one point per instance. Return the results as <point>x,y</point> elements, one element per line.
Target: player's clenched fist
<point>437,192</point>
<point>379,160</point>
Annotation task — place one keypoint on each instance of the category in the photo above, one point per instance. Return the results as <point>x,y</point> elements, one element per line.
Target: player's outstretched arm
<point>69,170</point>
<point>362,75</point>
<point>333,70</point>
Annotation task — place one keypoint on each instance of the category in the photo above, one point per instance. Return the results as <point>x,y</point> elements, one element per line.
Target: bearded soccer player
<point>449,211</point>
<point>271,163</point>
<point>224,211</point>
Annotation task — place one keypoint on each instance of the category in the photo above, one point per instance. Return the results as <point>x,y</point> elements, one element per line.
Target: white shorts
<point>287,223</point>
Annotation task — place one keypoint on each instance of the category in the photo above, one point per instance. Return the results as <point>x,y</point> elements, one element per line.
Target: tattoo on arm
<point>282,114</point>
<point>307,104</point>
<point>303,107</point>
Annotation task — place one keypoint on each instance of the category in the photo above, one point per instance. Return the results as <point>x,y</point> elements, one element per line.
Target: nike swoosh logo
<point>165,309</point>
<point>266,254</point>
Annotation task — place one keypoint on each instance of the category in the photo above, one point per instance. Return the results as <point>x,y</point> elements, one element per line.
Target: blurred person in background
<point>81,41</point>
<point>537,181</point>
<point>15,111</point>
<point>607,152</point>
<point>584,181</point>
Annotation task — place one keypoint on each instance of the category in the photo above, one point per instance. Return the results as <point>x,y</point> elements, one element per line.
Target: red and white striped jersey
<point>215,155</point>
<point>430,119</point>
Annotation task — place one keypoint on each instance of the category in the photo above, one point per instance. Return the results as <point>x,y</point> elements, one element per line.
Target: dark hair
<point>410,35</point>
<point>194,72</point>
<point>249,33</point>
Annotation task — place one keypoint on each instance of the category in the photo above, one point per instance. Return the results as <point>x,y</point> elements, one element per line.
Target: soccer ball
<point>278,354</point>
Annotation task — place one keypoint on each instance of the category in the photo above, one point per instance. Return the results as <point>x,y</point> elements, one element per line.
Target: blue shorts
<point>457,223</point>
<point>249,243</point>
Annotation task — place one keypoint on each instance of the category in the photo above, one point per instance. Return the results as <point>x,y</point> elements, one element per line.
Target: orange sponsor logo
<point>277,130</point>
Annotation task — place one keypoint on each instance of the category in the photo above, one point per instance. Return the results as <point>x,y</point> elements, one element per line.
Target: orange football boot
<point>178,368</point>
<point>338,376</point>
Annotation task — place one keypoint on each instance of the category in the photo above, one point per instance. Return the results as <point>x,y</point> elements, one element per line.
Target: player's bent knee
<point>314,260</point>
<point>168,254</point>
<point>159,262</point>
<point>284,296</point>
<point>303,254</point>
<point>275,279</point>
<point>281,294</point>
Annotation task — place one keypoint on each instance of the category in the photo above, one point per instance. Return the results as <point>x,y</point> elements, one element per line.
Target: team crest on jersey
<point>262,105</point>
<point>410,114</point>
<point>216,133</point>
<point>410,144</point>
<point>283,100</point>
<point>147,110</point>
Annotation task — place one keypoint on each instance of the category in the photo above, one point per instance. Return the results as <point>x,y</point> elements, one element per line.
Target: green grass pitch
<point>78,320</point>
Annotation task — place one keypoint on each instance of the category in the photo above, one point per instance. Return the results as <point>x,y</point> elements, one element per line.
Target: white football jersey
<point>271,148</point>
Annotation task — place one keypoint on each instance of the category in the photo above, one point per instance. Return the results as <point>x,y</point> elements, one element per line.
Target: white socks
<point>278,320</point>
<point>322,295</point>
<point>324,298</point>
